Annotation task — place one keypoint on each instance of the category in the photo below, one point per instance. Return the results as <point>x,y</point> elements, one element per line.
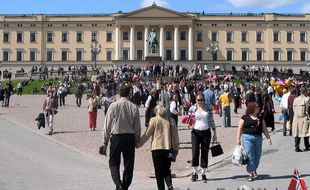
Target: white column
<point>117,42</point>
<point>190,43</point>
<point>146,34</point>
<point>132,43</point>
<point>161,43</point>
<point>176,43</point>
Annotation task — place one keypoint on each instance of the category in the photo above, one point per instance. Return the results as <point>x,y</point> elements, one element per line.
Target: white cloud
<point>305,8</point>
<point>161,3</point>
<point>266,4</point>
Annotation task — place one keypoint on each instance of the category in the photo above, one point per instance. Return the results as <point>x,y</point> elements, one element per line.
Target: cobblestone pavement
<point>71,130</point>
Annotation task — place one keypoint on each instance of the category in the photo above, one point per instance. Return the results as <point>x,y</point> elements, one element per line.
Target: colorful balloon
<point>287,83</point>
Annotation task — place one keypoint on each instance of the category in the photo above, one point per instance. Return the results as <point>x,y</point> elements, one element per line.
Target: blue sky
<point>112,6</point>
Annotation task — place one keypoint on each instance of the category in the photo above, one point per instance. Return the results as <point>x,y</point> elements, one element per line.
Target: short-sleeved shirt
<point>252,126</point>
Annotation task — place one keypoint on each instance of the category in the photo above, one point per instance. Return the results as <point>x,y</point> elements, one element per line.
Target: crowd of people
<point>165,101</point>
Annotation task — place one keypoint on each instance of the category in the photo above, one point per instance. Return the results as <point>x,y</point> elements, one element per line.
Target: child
<point>217,105</point>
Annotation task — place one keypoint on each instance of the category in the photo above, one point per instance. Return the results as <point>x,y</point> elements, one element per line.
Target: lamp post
<point>95,49</point>
<point>212,48</point>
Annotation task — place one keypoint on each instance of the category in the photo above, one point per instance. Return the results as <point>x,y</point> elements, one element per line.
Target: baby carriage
<point>40,120</point>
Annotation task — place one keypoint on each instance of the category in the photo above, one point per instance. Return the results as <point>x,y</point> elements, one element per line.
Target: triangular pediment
<point>155,11</point>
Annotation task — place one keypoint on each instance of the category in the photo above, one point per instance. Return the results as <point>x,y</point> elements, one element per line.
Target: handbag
<point>216,150</point>
<point>188,119</point>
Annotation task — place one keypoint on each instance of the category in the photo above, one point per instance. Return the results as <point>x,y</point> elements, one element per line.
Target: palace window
<point>214,37</point>
<point>79,55</point>
<point>303,55</point>
<point>125,54</point>
<point>139,54</point>
<point>32,37</point>
<point>229,55</point>
<point>229,36</point>
<point>19,37</point>
<point>289,36</point>
<point>259,55</point>
<point>109,55</point>
<point>109,36</point>
<point>19,55</point>
<point>303,37</point>
<point>183,54</point>
<point>49,37</point>
<point>64,37</point>
<point>199,55</point>
<point>33,55</point>
<point>168,35</point>
<point>139,35</point>
<point>276,55</point>
<point>49,55</point>
<point>169,54</point>
<point>79,37</point>
<point>94,36</point>
<point>64,55</point>
<point>244,55</point>
<point>259,36</point>
<point>5,55</point>
<point>244,36</point>
<point>290,55</point>
<point>125,35</point>
<point>6,37</point>
<point>276,36</point>
<point>199,37</point>
<point>182,35</point>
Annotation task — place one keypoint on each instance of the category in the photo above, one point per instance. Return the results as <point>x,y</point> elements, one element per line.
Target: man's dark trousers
<point>122,144</point>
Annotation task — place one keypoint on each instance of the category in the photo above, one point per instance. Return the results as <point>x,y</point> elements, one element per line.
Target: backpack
<point>52,102</point>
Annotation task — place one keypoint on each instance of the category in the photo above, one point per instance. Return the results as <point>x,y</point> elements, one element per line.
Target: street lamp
<point>95,49</point>
<point>212,48</point>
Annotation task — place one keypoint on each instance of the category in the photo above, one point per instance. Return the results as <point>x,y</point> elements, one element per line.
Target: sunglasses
<point>199,100</point>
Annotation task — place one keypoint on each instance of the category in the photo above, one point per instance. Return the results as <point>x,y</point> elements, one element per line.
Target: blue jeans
<point>252,145</point>
<point>226,117</point>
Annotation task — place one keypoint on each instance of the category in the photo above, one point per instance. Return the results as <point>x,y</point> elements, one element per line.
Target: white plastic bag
<point>239,156</point>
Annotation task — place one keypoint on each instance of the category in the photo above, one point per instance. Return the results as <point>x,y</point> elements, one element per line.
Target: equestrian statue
<point>152,42</point>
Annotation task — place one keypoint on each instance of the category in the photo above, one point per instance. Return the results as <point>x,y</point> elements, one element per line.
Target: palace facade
<point>266,38</point>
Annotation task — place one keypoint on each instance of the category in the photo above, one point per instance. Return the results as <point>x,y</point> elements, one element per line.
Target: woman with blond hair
<point>165,137</point>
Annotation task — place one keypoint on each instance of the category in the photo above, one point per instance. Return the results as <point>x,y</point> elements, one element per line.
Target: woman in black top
<point>251,126</point>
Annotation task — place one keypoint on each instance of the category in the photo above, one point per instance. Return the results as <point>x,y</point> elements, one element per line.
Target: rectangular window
<point>32,55</point>
<point>49,37</point>
<point>228,36</point>
<point>79,37</point>
<point>199,37</point>
<point>125,35</point>
<point>139,54</point>
<point>139,35</point>
<point>6,37</point>
<point>276,36</point>
<point>94,36</point>
<point>289,36</point>
<point>259,55</point>
<point>214,37</point>
<point>19,37</point>
<point>109,36</point>
<point>32,37</point>
<point>229,55</point>
<point>168,35</point>
<point>244,55</point>
<point>183,54</point>
<point>290,55</point>
<point>199,55</point>
<point>49,55</point>
<point>169,54</point>
<point>303,37</point>
<point>182,35</point>
<point>244,36</point>
<point>64,37</point>
<point>19,55</point>
<point>125,54</point>
<point>303,55</point>
<point>64,55</point>
<point>259,36</point>
<point>5,55</point>
<point>276,55</point>
<point>79,55</point>
<point>109,55</point>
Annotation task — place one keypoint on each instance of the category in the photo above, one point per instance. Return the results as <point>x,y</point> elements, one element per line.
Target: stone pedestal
<point>153,59</point>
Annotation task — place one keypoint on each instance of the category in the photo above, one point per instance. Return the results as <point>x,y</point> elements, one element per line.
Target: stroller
<point>40,120</point>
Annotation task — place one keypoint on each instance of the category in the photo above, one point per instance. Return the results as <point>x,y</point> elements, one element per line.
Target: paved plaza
<point>72,131</point>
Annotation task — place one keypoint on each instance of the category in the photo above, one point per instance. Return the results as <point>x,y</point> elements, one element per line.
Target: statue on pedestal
<point>152,42</point>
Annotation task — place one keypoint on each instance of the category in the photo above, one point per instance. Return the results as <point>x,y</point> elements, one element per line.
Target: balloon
<point>272,82</point>
<point>281,82</point>
<point>287,83</point>
<point>284,90</point>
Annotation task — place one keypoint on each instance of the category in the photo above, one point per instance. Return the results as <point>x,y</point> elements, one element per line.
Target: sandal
<point>251,177</point>
<point>254,175</point>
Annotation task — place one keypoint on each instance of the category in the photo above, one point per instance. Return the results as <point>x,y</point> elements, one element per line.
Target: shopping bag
<point>188,119</point>
<point>239,156</point>
<point>216,150</point>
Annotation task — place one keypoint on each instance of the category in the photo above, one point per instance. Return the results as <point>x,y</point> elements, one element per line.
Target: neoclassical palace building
<point>266,38</point>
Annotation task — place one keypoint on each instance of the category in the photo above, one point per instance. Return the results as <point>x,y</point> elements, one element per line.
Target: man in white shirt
<point>284,108</point>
